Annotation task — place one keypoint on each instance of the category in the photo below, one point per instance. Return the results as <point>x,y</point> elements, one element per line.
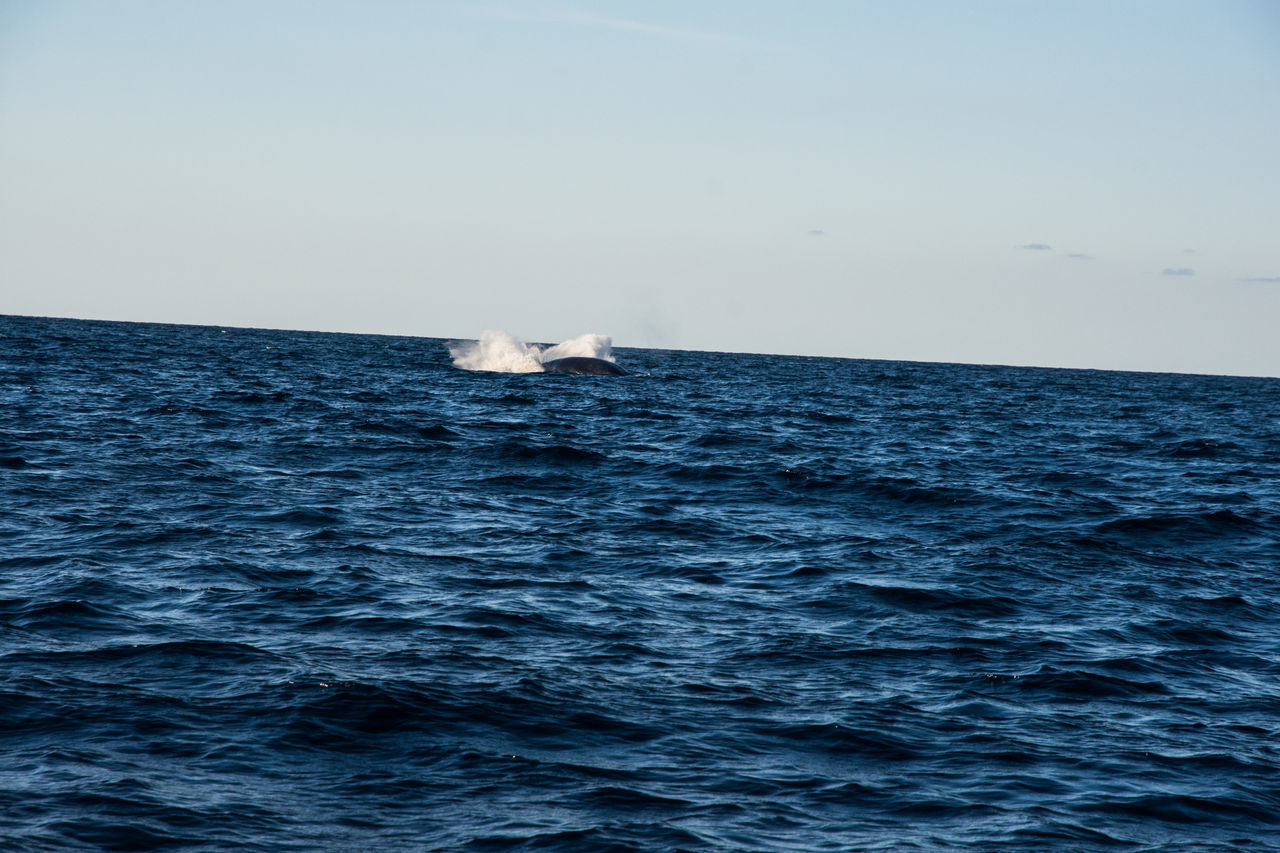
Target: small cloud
<point>1188,251</point>
<point>817,232</point>
<point>1079,256</point>
<point>1177,271</point>
<point>1263,279</point>
<point>1035,247</point>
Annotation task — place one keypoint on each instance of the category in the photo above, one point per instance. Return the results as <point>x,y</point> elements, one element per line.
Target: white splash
<point>583,346</point>
<point>504,353</point>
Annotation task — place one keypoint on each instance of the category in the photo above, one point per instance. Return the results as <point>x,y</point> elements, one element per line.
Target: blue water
<point>266,590</point>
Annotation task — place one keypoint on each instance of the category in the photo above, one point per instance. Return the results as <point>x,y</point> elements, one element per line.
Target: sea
<point>270,590</point>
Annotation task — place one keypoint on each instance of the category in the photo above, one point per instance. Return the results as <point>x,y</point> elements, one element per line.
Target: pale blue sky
<point>831,178</point>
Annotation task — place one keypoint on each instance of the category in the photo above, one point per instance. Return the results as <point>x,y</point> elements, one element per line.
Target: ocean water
<point>269,590</point>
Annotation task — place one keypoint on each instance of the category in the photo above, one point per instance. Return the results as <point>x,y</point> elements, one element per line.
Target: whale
<point>583,365</point>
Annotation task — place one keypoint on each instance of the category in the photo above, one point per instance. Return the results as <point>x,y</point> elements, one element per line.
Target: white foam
<point>583,346</point>
<point>505,353</point>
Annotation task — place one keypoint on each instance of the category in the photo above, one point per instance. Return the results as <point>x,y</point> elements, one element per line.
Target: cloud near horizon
<point>1177,271</point>
<point>1263,279</point>
<point>1079,256</point>
<point>1035,247</point>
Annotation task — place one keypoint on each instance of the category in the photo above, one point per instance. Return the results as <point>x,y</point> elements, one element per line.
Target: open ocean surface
<point>271,590</point>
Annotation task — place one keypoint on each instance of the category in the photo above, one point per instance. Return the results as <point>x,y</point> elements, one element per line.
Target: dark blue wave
<point>266,590</point>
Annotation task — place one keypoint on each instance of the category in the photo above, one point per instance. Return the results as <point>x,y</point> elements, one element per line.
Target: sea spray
<point>583,346</point>
<point>496,351</point>
<point>505,353</point>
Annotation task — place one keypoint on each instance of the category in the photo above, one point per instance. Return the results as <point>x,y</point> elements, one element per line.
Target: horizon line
<point>457,339</point>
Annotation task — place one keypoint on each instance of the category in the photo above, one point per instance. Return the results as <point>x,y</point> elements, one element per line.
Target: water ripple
<point>269,590</point>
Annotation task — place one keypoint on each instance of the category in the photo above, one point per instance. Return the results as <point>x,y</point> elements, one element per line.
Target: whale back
<point>581,364</point>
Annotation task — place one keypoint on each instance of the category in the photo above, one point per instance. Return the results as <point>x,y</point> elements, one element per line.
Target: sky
<point>1067,184</point>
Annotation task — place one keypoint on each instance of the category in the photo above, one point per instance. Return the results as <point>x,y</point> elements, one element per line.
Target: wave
<point>367,599</point>
<point>501,352</point>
